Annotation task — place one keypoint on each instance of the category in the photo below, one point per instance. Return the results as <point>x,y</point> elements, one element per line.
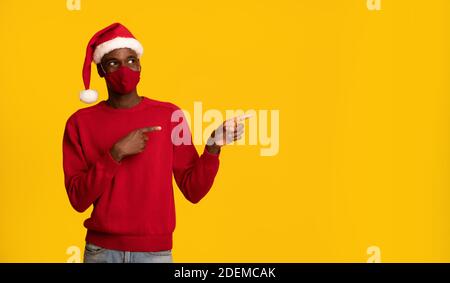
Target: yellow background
<point>364,124</point>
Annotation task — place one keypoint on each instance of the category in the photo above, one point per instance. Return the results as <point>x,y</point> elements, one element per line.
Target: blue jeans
<point>96,254</point>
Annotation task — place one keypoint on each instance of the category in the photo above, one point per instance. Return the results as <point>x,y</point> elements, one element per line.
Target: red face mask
<point>123,80</point>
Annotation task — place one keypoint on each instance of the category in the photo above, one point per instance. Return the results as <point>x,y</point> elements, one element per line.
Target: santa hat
<point>112,37</point>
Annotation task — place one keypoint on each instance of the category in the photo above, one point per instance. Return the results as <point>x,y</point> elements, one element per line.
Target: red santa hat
<point>104,41</point>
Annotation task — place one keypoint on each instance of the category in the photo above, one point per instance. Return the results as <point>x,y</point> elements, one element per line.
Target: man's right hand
<point>132,143</point>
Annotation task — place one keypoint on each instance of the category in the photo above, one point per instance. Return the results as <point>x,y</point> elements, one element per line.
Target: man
<point>119,156</point>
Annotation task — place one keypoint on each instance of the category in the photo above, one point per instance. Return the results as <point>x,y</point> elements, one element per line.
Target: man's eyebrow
<point>105,60</point>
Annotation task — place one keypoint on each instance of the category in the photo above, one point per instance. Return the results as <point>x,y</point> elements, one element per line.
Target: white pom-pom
<point>88,96</point>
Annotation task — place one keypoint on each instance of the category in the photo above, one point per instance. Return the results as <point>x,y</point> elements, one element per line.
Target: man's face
<point>113,60</point>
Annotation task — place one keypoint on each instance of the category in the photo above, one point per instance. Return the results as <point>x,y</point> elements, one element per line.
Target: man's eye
<point>112,64</point>
<point>131,61</point>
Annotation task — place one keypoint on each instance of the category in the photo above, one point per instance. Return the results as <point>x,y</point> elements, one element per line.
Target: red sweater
<point>133,199</point>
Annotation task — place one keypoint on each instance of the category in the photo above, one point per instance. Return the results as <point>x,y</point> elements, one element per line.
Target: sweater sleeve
<point>84,183</point>
<point>194,175</point>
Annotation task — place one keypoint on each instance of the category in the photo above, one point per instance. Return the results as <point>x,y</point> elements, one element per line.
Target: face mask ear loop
<point>101,66</point>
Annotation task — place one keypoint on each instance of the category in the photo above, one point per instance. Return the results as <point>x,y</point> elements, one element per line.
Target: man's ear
<point>100,71</point>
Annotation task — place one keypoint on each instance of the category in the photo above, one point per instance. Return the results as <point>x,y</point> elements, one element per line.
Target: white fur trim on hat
<point>88,96</point>
<point>116,43</point>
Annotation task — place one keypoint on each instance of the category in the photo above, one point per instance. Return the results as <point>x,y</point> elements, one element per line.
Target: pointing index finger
<point>232,122</point>
<point>237,119</point>
<point>243,117</point>
<point>151,129</point>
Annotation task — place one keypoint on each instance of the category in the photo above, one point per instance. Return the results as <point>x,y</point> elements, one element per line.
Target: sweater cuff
<point>208,154</point>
